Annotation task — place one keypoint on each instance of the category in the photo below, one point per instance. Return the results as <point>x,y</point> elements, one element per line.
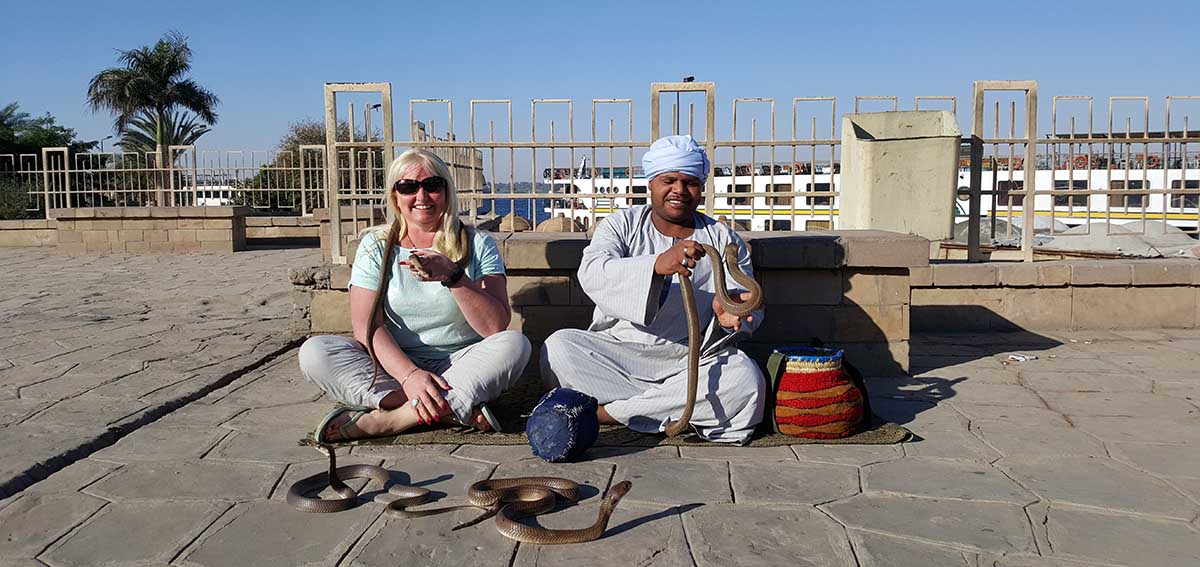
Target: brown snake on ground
<point>505,498</point>
<point>752,304</point>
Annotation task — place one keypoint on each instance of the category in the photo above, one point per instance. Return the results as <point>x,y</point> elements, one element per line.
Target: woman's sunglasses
<point>432,185</point>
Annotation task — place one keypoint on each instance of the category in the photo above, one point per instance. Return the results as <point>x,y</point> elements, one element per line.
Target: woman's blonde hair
<point>450,239</point>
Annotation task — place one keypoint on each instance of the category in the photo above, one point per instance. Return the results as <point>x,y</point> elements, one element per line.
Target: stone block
<point>883,249</point>
<point>994,526</point>
<point>964,275</point>
<point>164,212</point>
<point>95,235</point>
<point>137,247</point>
<point>339,277</point>
<point>156,235</point>
<point>214,235</point>
<point>129,236</point>
<point>766,483</point>
<point>114,235</point>
<point>1133,308</point>
<point>192,212</point>
<point>1100,483</point>
<point>330,312</point>
<point>870,323</point>
<point>805,251</point>
<point>801,287</point>
<point>876,287</point>
<point>958,309</point>
<point>921,276</point>
<point>795,324</point>
<point>546,290</point>
<point>84,213</point>
<point>69,236</point>
<point>218,223</point>
<point>1119,539</point>
<point>64,213</point>
<point>137,212</point>
<point>578,296</point>
<point>258,221</point>
<point>769,535</point>
<point>1018,274</point>
<point>1053,274</point>
<point>138,224</point>
<point>110,212</point>
<point>130,533</point>
<point>877,358</point>
<point>538,321</point>
<point>84,224</point>
<point>1101,272</point>
<point>159,246</point>
<point>181,235</point>
<point>937,478</point>
<point>1038,308</point>
<point>676,481</point>
<point>192,224</point>
<point>1163,272</point>
<point>541,250</point>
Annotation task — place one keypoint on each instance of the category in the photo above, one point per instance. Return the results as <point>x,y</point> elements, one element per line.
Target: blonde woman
<point>430,344</point>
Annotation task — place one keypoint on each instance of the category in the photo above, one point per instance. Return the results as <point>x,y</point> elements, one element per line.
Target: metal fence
<point>774,168</point>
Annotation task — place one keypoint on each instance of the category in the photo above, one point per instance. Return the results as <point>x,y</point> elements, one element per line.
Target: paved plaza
<point>1088,454</point>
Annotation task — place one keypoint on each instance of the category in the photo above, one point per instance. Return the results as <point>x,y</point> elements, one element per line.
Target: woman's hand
<point>678,259</point>
<point>436,266</point>
<point>424,390</point>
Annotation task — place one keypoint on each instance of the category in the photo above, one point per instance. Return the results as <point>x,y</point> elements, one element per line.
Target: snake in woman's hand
<point>753,303</point>
<point>508,499</point>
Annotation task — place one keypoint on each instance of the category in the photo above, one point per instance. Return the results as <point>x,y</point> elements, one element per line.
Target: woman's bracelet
<point>409,375</point>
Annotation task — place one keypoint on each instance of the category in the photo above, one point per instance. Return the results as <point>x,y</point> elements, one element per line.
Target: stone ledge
<point>147,212</point>
<point>1088,273</point>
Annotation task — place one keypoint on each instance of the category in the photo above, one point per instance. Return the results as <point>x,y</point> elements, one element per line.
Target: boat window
<point>1191,201</point>
<point>1134,200</point>
<point>818,188</point>
<point>779,188</point>
<point>740,188</point>
<point>1071,200</point>
<point>638,189</point>
<point>818,225</point>
<point>779,224</point>
<point>1004,190</point>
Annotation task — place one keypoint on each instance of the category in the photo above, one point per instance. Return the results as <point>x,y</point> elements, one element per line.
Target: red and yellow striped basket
<point>814,397</point>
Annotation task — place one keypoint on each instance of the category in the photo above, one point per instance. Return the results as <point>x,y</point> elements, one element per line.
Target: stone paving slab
<point>875,550</point>
<point>939,478</point>
<point>189,480</point>
<point>984,526</point>
<point>794,483</point>
<point>765,536</point>
<point>106,539</point>
<point>1088,535</point>
<point>638,535</point>
<point>675,482</point>
<point>1099,483</point>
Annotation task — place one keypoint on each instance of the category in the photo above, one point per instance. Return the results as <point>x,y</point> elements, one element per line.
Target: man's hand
<point>729,320</point>
<point>679,259</point>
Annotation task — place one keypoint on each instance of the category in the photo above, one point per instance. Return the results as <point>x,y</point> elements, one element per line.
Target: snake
<point>507,499</point>
<point>753,303</point>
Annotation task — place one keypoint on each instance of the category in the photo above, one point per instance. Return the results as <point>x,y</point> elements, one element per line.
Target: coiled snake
<point>505,498</point>
<point>752,304</point>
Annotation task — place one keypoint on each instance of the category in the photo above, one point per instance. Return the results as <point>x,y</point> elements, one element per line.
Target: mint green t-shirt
<point>423,317</point>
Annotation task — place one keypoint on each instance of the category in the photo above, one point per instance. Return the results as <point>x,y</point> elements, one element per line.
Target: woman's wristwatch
<point>454,277</point>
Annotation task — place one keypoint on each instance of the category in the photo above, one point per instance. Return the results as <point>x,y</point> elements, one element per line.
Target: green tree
<point>154,81</point>
<point>22,134</point>
<point>283,171</point>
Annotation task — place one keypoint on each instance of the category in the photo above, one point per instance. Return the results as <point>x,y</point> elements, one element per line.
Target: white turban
<point>675,153</point>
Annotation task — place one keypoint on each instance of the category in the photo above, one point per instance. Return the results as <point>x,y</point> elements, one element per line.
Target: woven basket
<point>815,397</point>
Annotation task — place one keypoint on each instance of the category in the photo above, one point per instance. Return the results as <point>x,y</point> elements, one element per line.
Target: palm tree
<point>152,80</point>
<point>144,133</point>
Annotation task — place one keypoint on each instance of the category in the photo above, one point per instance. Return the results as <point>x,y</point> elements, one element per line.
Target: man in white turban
<point>633,357</point>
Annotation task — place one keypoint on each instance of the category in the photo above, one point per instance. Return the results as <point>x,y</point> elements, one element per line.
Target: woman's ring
<point>683,262</point>
<point>415,402</point>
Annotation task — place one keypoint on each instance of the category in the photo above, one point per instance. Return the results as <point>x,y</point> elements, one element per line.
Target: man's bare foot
<point>477,421</point>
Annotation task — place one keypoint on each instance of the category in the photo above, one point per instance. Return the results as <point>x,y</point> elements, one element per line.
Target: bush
<point>14,199</point>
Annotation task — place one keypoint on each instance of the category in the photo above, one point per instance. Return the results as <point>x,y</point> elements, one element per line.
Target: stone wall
<point>29,232</point>
<point>846,288</point>
<point>282,228</point>
<point>150,229</point>
<point>1059,295</point>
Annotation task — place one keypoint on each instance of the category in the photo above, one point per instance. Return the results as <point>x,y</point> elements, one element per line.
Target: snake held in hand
<point>752,304</point>
<point>508,499</point>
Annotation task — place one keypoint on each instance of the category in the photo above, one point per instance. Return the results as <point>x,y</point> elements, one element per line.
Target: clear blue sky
<point>267,60</point>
